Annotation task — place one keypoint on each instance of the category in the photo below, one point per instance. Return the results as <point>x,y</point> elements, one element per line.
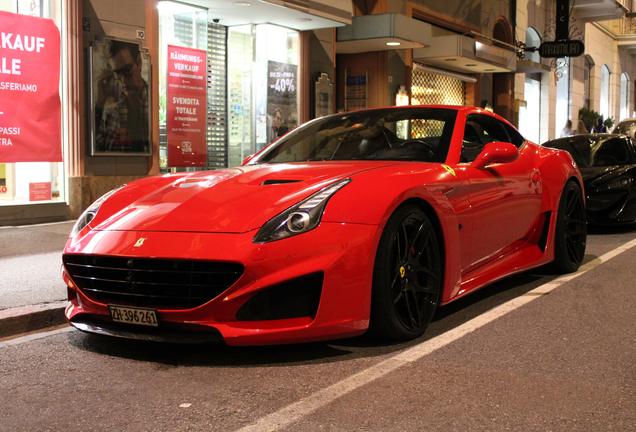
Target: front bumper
<point>343,253</point>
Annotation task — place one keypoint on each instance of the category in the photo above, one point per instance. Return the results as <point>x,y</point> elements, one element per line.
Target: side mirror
<point>247,159</point>
<point>496,152</point>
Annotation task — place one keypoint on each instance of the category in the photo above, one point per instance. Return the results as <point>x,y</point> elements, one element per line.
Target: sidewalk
<point>32,293</point>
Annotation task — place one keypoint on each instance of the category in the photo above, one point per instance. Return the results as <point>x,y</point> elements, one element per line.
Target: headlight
<point>299,218</point>
<point>91,211</point>
<point>619,183</point>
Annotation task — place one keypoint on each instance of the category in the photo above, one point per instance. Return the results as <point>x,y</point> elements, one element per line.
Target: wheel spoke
<point>572,205</point>
<point>403,254</point>
<point>416,236</point>
<point>399,297</point>
<point>396,278</point>
<point>424,247</point>
<point>408,309</point>
<point>429,272</point>
<point>573,250</point>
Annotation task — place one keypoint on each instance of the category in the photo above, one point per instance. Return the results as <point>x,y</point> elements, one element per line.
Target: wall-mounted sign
<point>355,93</point>
<point>30,107</point>
<point>569,48</point>
<point>324,96</point>
<point>186,107</point>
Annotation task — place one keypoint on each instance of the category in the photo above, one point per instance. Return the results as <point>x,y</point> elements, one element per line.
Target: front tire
<point>407,276</point>
<point>571,230</point>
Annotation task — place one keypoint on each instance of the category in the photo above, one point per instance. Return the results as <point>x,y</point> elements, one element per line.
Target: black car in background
<point>608,167</point>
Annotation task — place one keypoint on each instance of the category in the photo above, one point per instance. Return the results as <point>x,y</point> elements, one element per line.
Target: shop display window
<point>27,182</point>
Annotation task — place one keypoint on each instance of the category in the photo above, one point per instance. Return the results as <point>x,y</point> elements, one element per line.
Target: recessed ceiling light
<point>303,19</point>
<point>241,3</point>
<point>393,43</point>
<point>490,70</point>
<point>471,65</point>
<point>450,59</point>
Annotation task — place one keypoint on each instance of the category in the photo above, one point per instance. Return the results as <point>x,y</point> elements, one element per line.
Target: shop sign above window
<point>30,107</point>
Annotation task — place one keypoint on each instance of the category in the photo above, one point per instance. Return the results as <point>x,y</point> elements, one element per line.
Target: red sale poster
<point>30,107</point>
<point>186,107</point>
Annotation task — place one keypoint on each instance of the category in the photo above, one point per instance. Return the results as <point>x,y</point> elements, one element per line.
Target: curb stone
<point>30,318</point>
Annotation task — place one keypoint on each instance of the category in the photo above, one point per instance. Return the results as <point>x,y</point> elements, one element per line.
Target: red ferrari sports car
<point>366,219</point>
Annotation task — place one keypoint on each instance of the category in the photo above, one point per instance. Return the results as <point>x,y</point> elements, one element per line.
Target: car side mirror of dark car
<point>496,152</point>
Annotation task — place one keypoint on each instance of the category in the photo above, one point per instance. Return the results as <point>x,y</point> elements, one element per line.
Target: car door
<point>505,199</point>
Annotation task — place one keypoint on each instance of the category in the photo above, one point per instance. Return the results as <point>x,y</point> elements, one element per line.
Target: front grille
<point>165,283</point>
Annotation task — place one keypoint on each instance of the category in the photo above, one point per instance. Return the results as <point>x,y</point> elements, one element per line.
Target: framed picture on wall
<point>120,99</point>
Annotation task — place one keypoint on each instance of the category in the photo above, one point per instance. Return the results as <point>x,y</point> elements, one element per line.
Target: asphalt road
<point>534,352</point>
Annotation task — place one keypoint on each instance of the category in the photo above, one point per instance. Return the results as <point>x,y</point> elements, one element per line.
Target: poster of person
<point>282,99</point>
<point>120,99</point>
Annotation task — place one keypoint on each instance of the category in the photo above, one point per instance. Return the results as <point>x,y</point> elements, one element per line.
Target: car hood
<point>598,176</point>
<point>232,200</point>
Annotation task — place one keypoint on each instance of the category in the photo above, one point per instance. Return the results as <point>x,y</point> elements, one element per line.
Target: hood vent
<point>272,182</point>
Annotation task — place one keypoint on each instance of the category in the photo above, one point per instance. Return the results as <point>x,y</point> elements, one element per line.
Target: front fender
<point>372,197</point>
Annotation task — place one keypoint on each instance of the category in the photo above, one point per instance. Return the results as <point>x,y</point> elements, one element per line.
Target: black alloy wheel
<point>571,230</point>
<point>407,276</point>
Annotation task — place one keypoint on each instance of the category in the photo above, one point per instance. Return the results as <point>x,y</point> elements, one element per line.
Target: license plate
<point>147,317</point>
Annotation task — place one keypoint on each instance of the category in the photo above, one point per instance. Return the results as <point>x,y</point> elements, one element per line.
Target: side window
<point>612,152</point>
<point>515,137</point>
<point>480,130</point>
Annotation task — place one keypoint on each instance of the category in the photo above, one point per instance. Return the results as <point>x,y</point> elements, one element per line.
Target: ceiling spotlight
<point>302,19</point>
<point>393,43</point>
<point>241,3</point>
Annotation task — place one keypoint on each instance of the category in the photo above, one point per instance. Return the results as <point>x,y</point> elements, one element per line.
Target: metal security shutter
<point>217,96</point>
<point>432,89</point>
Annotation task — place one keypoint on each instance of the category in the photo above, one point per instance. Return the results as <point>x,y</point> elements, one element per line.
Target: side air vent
<point>295,298</point>
<point>543,240</point>
<point>273,182</point>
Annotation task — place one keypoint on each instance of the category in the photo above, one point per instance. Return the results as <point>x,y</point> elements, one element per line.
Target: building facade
<point>272,65</point>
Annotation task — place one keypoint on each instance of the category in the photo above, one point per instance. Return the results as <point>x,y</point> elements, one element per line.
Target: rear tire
<point>407,276</point>
<point>571,230</point>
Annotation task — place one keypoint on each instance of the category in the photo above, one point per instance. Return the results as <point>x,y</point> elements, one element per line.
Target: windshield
<point>413,134</point>
<point>624,127</point>
<point>595,152</point>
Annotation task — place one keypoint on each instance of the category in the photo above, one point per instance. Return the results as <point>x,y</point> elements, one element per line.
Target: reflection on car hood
<point>597,176</point>
<point>232,200</point>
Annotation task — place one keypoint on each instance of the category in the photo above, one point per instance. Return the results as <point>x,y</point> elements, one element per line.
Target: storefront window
<point>240,94</point>
<point>530,126</point>
<point>563,94</point>
<point>257,67</point>
<point>605,91</point>
<point>270,83</point>
<point>276,82</point>
<point>26,182</point>
<point>624,96</point>
<point>587,91</point>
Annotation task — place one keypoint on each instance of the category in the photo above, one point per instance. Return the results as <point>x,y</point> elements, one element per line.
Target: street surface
<point>534,352</point>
